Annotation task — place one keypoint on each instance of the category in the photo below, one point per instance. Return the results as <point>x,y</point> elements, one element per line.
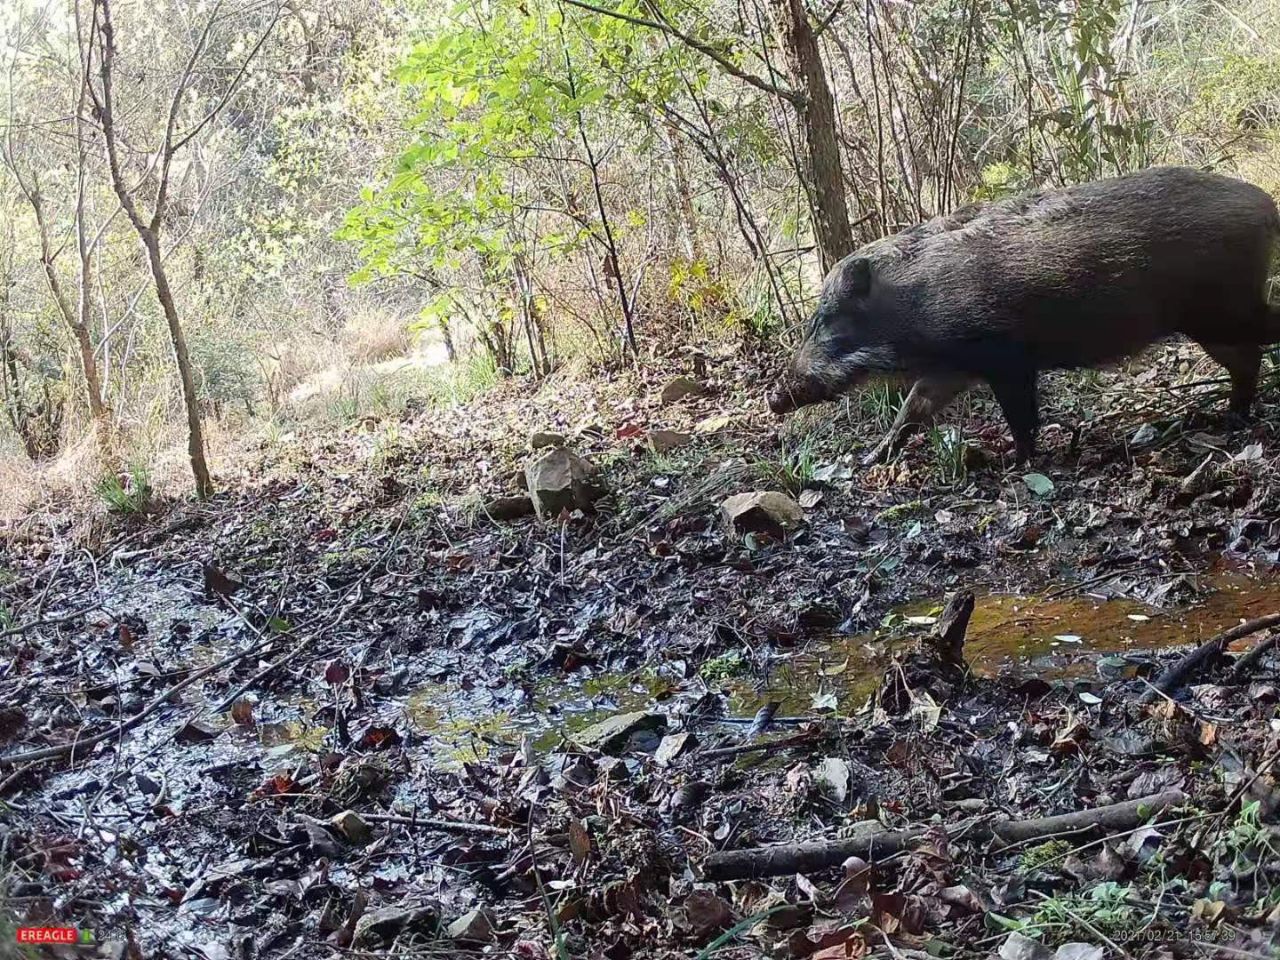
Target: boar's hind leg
<point>1017,396</point>
<point>928,397</point>
<point>1242,362</point>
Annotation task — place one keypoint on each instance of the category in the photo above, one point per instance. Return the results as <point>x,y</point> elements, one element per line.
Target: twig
<point>453,826</point>
<point>63,749</point>
<point>1250,659</point>
<point>50,622</point>
<point>1176,676</point>
<point>870,839</point>
<point>783,743</point>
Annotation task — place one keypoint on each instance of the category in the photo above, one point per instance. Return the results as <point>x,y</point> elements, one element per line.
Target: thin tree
<point>77,316</point>
<point>101,38</point>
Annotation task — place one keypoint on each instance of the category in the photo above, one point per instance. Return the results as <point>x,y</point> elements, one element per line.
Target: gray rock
<point>508,508</point>
<point>561,480</point>
<point>681,388</point>
<point>474,925</point>
<point>540,439</point>
<point>352,827</point>
<point>663,441</point>
<point>673,747</point>
<point>616,734</point>
<point>761,511</point>
<point>1018,947</point>
<point>381,927</point>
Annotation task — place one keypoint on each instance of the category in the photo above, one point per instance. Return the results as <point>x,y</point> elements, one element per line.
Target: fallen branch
<point>50,622</point>
<point>781,743</point>
<point>65,749</point>
<point>452,826</point>
<point>1195,661</point>
<point>870,840</point>
<point>1249,660</point>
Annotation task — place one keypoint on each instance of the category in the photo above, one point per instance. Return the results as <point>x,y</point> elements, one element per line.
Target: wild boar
<point>1073,277</point>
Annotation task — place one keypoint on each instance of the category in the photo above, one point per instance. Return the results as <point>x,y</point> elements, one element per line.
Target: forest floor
<point>340,709</point>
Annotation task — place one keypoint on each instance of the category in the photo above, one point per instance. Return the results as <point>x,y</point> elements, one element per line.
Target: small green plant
<point>877,404</point>
<point>1248,842</point>
<point>1043,853</point>
<point>127,493</point>
<point>794,467</point>
<point>1106,908</point>
<point>721,668</point>
<point>900,512</point>
<point>949,454</point>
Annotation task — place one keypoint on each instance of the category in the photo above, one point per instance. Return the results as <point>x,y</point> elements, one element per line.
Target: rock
<point>663,441</point>
<point>570,772</point>
<point>474,925</point>
<point>833,778</point>
<point>673,747</point>
<point>508,508</point>
<point>381,927</point>
<point>761,511</point>
<point>1019,947</point>
<point>352,827</point>
<point>613,770</point>
<point>561,480</point>
<point>615,735</point>
<point>680,388</point>
<point>706,913</point>
<point>1201,479</point>
<point>540,439</point>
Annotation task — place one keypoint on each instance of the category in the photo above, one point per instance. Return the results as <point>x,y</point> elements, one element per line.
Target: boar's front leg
<point>928,397</point>
<point>1016,392</point>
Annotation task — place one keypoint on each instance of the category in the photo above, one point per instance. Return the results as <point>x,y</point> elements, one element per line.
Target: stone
<point>833,778</point>
<point>1019,947</point>
<point>475,926</point>
<point>541,439</point>
<point>681,388</point>
<point>674,746</point>
<point>561,480</point>
<point>504,509</point>
<point>761,511</point>
<point>615,734</point>
<point>1201,479</point>
<point>352,827</point>
<point>380,928</point>
<point>664,441</point>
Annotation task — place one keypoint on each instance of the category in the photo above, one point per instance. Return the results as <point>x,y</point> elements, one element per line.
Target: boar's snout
<point>797,389</point>
<point>781,401</point>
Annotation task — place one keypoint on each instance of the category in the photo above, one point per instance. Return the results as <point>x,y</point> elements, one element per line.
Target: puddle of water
<point>1058,637</point>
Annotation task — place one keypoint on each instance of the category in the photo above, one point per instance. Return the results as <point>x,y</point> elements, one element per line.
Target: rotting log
<point>870,840</point>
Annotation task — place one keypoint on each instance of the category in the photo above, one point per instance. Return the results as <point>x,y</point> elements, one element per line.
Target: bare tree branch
<point>726,64</point>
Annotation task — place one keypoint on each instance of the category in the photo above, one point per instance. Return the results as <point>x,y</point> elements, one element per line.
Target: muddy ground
<point>339,709</point>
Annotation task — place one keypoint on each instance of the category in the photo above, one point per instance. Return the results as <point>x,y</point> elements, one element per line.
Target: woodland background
<point>218,219</point>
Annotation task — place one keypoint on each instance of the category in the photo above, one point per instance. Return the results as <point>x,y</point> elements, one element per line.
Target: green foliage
<point>128,493</point>
<point>1106,908</point>
<point>949,453</point>
<point>1034,857</point>
<point>727,665</point>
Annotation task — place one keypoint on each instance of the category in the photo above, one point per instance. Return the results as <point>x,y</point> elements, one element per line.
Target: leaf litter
<point>361,702</point>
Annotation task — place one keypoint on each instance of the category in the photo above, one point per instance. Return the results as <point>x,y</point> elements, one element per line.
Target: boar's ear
<point>855,277</point>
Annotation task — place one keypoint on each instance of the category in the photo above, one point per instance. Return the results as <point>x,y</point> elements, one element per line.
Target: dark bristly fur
<point>1062,278</point>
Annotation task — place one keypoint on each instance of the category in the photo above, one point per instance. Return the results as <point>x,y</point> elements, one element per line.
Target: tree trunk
<point>823,175</point>
<point>195,429</point>
<point>88,361</point>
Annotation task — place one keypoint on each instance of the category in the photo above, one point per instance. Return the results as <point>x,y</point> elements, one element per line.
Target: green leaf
<point>1038,484</point>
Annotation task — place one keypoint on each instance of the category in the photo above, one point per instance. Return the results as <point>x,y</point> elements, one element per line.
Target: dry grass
<point>373,335</point>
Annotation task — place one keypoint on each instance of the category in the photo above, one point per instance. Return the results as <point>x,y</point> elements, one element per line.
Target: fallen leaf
<point>579,841</point>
